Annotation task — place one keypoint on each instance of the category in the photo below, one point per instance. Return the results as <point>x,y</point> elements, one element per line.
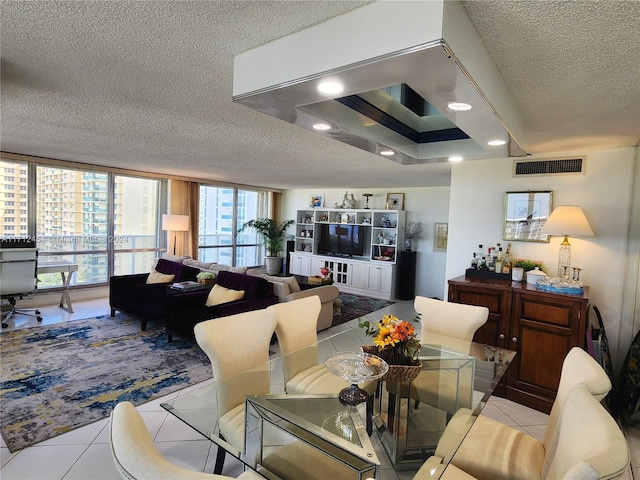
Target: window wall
<point>105,222</point>
<point>222,212</point>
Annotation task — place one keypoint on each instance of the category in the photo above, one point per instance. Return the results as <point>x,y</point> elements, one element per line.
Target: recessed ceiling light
<point>459,106</point>
<point>387,152</point>
<point>330,87</point>
<point>494,143</point>
<point>321,126</point>
<point>455,159</point>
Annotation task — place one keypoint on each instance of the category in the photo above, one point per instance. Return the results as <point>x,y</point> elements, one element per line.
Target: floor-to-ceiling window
<point>105,222</point>
<point>222,211</point>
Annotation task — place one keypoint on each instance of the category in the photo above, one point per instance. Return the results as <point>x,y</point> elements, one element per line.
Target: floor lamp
<point>567,221</point>
<point>175,223</point>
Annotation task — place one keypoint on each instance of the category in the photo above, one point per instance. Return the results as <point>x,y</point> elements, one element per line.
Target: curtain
<point>184,199</point>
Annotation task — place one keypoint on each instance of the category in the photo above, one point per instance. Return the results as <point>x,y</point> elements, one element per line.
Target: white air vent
<point>554,166</point>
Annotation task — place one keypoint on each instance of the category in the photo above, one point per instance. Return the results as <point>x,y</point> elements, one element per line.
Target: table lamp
<point>566,220</point>
<point>175,223</point>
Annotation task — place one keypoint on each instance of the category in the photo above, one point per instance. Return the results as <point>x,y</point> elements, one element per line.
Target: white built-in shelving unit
<point>371,274</point>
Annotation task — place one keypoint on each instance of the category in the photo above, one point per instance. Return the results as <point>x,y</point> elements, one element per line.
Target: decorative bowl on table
<point>355,368</point>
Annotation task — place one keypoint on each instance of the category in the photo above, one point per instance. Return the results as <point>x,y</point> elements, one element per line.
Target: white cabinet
<point>300,264</point>
<point>358,275</point>
<point>380,278</point>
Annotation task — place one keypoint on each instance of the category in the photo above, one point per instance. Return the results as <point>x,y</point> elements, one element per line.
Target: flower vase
<point>401,369</point>
<point>407,244</point>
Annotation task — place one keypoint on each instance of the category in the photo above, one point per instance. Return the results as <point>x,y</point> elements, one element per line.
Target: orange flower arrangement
<point>396,339</point>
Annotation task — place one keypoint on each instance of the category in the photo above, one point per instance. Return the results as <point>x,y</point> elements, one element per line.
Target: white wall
<point>604,193</point>
<point>426,205</point>
<point>474,205</point>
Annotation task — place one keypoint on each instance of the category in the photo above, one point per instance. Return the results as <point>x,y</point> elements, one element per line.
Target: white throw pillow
<point>157,277</point>
<point>219,295</point>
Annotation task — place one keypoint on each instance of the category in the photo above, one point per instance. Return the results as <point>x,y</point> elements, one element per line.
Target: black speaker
<point>291,245</point>
<point>406,275</point>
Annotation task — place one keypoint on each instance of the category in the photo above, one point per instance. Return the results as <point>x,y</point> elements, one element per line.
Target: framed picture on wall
<point>316,201</point>
<point>441,236</point>
<point>395,201</point>
<point>524,215</point>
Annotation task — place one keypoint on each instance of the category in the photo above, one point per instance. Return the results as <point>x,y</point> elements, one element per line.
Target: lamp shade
<point>175,223</point>
<point>567,220</point>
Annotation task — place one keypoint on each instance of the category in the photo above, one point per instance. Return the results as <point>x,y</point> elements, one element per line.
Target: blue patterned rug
<point>56,378</point>
<point>354,306</point>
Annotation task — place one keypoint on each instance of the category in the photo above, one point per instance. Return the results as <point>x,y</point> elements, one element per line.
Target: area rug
<point>354,306</point>
<point>56,378</point>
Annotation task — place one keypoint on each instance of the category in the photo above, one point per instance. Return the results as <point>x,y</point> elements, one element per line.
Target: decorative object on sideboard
<point>348,201</point>
<point>567,220</point>
<point>175,223</point>
<point>316,201</point>
<point>412,231</point>
<point>367,195</point>
<point>273,236</point>
<point>441,236</point>
<point>395,201</point>
<point>525,213</point>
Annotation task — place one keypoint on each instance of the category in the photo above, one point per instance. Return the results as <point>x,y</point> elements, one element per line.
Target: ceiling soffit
<point>429,46</point>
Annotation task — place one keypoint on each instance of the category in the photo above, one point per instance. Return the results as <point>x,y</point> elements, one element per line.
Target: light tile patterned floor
<point>84,454</point>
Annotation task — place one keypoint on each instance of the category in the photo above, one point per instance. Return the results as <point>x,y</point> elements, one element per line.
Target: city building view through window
<point>110,224</point>
<point>222,213</point>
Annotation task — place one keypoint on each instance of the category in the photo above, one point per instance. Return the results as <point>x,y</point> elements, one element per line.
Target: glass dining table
<point>289,437</point>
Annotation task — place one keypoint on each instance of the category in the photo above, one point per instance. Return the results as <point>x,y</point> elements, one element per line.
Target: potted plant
<point>523,265</point>
<point>527,264</point>
<point>273,236</point>
<point>206,278</point>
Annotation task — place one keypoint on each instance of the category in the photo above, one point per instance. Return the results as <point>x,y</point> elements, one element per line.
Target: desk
<point>306,426</point>
<point>66,270</point>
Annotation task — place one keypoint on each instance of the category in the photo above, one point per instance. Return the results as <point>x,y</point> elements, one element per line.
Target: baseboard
<point>44,298</point>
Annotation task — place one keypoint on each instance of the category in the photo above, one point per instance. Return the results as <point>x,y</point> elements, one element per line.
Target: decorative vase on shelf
<point>407,244</point>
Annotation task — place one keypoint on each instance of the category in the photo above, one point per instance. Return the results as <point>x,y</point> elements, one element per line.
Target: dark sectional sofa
<point>131,294</point>
<point>185,309</point>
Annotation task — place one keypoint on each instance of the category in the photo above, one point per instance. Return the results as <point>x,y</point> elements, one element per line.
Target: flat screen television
<point>342,240</point>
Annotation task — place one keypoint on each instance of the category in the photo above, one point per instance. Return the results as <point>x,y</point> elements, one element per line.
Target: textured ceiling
<point>147,85</point>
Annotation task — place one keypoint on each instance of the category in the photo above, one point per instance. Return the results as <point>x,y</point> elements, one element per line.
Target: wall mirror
<point>524,215</point>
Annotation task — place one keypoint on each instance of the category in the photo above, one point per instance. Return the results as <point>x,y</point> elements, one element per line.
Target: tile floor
<point>84,454</point>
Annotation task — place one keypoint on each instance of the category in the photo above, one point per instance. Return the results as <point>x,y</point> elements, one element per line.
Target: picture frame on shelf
<point>440,236</point>
<point>316,201</point>
<point>525,213</point>
<point>395,201</point>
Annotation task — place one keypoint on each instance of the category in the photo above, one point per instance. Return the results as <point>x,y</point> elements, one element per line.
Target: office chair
<point>18,278</point>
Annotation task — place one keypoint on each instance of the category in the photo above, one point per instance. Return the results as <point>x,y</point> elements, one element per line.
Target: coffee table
<point>303,281</point>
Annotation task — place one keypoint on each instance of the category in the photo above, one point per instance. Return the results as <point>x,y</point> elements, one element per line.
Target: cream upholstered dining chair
<point>448,323</point>
<point>493,450</point>
<point>136,456</point>
<point>238,347</point>
<point>590,446</point>
<point>297,337</point>
<point>451,325</point>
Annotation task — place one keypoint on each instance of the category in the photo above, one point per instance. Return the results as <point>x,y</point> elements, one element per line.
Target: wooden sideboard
<point>540,326</point>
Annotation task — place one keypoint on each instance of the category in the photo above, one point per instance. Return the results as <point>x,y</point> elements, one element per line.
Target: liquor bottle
<point>479,253</point>
<point>474,262</point>
<point>482,264</point>
<point>506,264</point>
<point>498,262</point>
<point>489,259</point>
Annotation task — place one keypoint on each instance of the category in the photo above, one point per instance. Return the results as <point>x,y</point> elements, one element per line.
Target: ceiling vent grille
<point>556,166</point>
